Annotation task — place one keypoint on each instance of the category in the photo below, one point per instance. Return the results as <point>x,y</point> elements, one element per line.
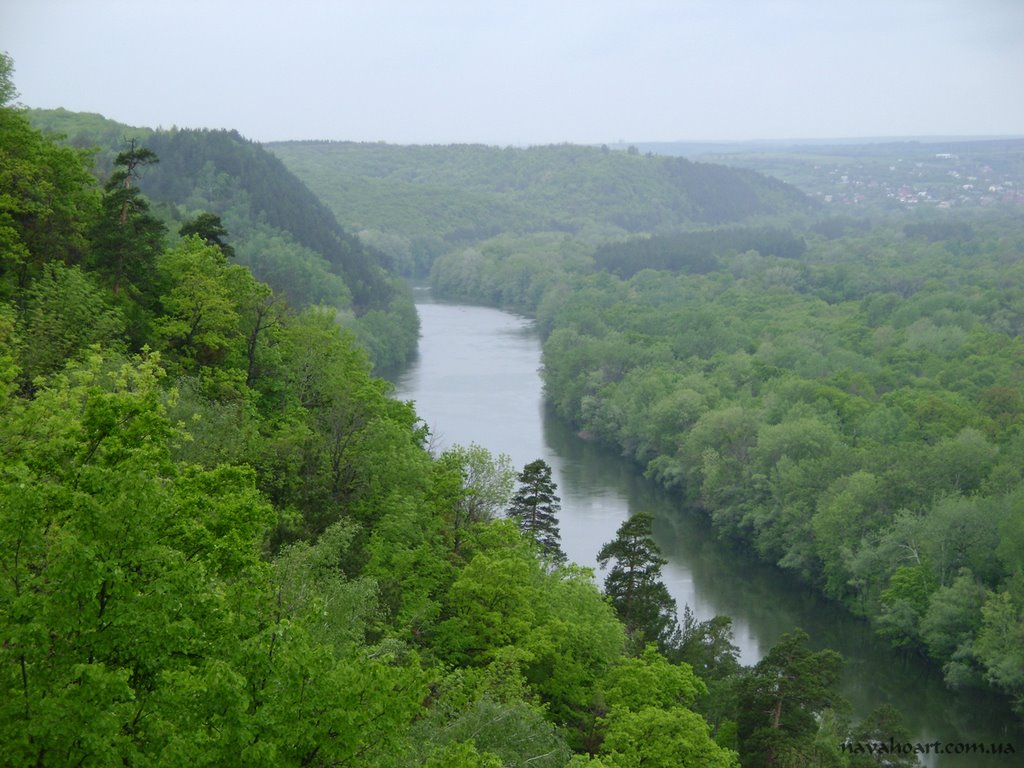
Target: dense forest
<point>222,542</point>
<point>847,405</point>
<point>279,229</point>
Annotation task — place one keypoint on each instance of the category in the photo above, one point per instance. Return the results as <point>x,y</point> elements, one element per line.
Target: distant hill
<point>442,197</point>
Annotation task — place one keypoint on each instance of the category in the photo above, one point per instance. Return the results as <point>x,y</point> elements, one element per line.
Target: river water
<point>476,379</point>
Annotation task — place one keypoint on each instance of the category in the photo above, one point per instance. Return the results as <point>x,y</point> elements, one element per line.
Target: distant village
<point>946,181</point>
<point>968,174</point>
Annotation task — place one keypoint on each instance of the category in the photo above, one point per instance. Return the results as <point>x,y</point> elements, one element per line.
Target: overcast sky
<point>528,71</point>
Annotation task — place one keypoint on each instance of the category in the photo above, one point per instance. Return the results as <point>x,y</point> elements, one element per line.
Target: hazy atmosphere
<point>528,72</point>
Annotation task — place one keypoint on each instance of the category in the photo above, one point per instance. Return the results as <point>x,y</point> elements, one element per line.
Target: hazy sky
<point>528,71</point>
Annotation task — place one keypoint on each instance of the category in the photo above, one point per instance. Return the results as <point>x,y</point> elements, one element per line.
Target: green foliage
<point>999,642</point>
<point>199,321</point>
<point>650,719</point>
<point>482,491</point>
<point>559,630</point>
<point>651,680</point>
<point>120,568</point>
<point>882,725</point>
<point>492,733</point>
<point>127,237</point>
<point>662,738</point>
<point>695,252</point>
<point>65,313</point>
<point>272,194</point>
<point>209,228</point>
<point>707,646</point>
<point>210,182</point>
<point>222,541</point>
<point>8,92</point>
<point>47,201</point>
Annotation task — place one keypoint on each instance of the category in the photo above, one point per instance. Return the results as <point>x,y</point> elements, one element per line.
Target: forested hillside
<point>280,229</point>
<point>420,202</point>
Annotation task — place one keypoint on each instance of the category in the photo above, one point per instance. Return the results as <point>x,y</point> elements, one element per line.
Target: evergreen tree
<point>535,508</point>
<point>634,582</point>
<point>128,237</point>
<point>209,227</point>
<point>781,701</point>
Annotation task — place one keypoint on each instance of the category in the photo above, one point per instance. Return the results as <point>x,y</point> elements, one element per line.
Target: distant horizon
<point>531,72</point>
<point>623,143</point>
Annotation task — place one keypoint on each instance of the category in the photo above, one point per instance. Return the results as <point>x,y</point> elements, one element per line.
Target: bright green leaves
<point>563,633</point>
<point>494,602</point>
<point>200,319</point>
<point>220,517</point>
<point>662,738</point>
<point>105,592</point>
<point>140,621</point>
<point>651,680</point>
<point>650,720</point>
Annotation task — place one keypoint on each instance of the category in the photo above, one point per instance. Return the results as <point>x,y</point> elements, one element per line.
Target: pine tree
<point>535,507</point>
<point>634,582</point>
<point>127,238</point>
<point>781,700</point>
<point>210,228</point>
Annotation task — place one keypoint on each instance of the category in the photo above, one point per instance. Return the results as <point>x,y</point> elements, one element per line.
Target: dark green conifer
<point>535,507</point>
<point>634,582</point>
<point>127,237</point>
<point>210,229</point>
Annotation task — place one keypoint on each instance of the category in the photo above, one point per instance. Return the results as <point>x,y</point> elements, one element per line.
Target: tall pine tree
<point>535,508</point>
<point>127,237</point>
<point>634,583</point>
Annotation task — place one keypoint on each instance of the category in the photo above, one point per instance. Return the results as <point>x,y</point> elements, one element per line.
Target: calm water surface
<point>476,380</point>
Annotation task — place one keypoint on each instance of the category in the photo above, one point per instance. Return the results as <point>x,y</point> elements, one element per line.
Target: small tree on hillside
<point>634,583</point>
<point>210,228</point>
<point>535,508</point>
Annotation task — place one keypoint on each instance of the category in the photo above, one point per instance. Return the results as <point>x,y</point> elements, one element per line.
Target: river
<point>476,379</point>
